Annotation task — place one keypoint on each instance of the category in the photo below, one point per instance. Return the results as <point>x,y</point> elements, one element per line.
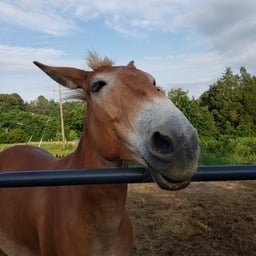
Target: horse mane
<point>94,61</point>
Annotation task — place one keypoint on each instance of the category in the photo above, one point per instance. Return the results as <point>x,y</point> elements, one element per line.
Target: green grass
<point>227,150</point>
<point>54,148</point>
<point>211,159</point>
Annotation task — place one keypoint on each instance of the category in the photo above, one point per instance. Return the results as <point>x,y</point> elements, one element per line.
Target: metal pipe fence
<point>117,176</point>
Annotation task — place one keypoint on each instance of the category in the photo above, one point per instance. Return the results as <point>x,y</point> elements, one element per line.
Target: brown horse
<point>127,119</point>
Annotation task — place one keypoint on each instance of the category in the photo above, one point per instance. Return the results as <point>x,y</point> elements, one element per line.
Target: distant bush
<point>228,150</point>
<point>13,136</point>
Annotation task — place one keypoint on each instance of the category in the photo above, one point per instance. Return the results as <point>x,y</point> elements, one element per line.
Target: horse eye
<point>96,86</point>
<point>154,82</point>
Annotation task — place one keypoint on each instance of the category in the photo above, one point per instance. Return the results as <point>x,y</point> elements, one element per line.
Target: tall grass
<point>227,150</point>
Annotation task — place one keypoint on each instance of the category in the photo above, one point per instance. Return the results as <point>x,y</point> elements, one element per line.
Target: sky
<point>182,43</point>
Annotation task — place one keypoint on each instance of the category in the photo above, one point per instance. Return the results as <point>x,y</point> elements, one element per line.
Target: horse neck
<point>108,200</point>
<point>86,157</point>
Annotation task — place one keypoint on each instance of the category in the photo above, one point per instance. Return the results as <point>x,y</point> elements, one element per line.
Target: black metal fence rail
<point>115,176</point>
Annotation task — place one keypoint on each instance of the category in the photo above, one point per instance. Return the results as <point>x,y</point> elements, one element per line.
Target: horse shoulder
<point>29,157</point>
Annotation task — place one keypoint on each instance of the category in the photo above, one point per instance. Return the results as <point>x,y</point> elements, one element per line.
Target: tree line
<point>38,120</point>
<point>225,117</point>
<point>227,108</point>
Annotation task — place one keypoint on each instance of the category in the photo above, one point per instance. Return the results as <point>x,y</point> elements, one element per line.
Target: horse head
<point>129,119</point>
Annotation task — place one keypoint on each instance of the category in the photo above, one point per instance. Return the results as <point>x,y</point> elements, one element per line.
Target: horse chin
<point>163,181</point>
<point>168,184</point>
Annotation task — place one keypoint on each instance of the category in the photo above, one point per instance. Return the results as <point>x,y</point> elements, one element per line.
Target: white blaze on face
<point>164,140</point>
<point>155,116</point>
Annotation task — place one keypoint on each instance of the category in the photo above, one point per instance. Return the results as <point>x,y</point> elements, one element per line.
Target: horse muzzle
<point>169,146</point>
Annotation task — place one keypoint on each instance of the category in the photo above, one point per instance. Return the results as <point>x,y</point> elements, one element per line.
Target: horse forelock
<point>94,61</point>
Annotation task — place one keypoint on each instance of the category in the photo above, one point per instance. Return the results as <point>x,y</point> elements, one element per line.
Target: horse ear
<point>71,78</point>
<point>131,64</point>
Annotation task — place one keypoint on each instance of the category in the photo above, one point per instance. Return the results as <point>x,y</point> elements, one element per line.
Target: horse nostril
<point>161,144</point>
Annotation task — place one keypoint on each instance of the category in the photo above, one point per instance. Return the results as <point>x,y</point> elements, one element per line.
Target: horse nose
<point>161,145</point>
<point>174,144</point>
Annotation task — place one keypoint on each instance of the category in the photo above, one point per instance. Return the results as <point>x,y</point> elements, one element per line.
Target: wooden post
<point>61,120</point>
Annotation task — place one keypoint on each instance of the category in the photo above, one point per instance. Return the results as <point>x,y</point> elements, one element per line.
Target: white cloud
<point>20,75</point>
<point>60,17</point>
<point>224,24</point>
<point>22,57</point>
<point>191,72</point>
<point>219,22</point>
<point>226,30</point>
<point>31,17</point>
<point>141,18</point>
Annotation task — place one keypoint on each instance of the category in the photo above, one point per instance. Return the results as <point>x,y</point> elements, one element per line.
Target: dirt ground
<point>213,219</point>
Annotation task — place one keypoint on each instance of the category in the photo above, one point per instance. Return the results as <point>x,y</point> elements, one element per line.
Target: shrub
<point>14,136</point>
<point>228,150</point>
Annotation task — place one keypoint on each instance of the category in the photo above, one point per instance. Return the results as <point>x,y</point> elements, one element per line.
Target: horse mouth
<point>167,183</point>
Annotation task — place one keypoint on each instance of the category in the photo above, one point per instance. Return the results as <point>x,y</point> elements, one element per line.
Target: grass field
<point>54,148</point>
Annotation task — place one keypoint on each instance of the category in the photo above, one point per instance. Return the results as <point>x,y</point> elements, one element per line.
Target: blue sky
<point>182,43</point>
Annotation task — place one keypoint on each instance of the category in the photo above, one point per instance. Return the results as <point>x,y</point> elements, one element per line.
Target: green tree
<point>13,136</point>
<point>222,101</point>
<point>247,91</point>
<point>11,101</point>
<point>200,117</point>
<point>231,102</point>
<point>72,135</point>
<point>42,106</point>
<point>74,115</point>
<point>40,118</point>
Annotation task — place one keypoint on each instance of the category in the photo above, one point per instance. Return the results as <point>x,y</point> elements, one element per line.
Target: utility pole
<point>61,119</point>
